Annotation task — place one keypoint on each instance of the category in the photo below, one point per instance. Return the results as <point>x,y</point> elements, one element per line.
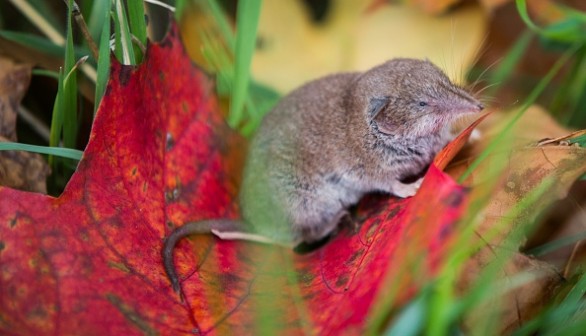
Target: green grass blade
<point>57,116</point>
<point>568,30</point>
<point>411,320</point>
<point>136,20</point>
<point>564,100</point>
<point>69,93</point>
<point>223,24</point>
<point>39,20</point>
<point>55,151</point>
<point>556,244</point>
<point>97,19</point>
<point>528,102</point>
<point>581,140</point>
<point>41,44</point>
<point>514,55</point>
<point>566,318</point>
<point>246,27</point>
<point>46,73</point>
<point>573,299</point>
<point>180,6</point>
<point>117,33</point>
<point>103,68</point>
<point>44,6</point>
<point>123,38</point>
<point>576,93</point>
<point>35,42</point>
<point>522,9</point>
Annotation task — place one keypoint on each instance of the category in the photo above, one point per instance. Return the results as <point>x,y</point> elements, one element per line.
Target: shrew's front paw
<point>406,190</point>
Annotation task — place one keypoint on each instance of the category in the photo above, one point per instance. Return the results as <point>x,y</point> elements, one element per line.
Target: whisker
<point>488,100</point>
<point>480,77</point>
<point>477,93</point>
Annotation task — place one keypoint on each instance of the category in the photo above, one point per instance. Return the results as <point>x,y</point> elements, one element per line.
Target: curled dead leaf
<point>23,170</point>
<point>516,182</point>
<point>20,170</point>
<point>14,81</point>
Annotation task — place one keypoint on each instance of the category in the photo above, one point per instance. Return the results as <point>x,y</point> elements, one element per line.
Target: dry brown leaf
<point>23,170</point>
<point>535,125</point>
<point>506,179</point>
<point>523,170</point>
<point>19,170</point>
<point>353,38</point>
<point>566,220</point>
<point>24,54</point>
<point>14,81</point>
<point>521,302</point>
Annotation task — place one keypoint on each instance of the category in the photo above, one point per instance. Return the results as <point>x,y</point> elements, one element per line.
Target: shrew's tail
<point>191,228</point>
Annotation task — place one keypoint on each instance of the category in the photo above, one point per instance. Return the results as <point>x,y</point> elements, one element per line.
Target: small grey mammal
<point>330,142</point>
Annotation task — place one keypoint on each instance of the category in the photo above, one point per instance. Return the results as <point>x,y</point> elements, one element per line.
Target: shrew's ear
<point>383,123</point>
<point>375,106</point>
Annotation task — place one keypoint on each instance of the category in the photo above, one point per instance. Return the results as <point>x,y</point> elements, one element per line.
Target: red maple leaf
<point>160,155</point>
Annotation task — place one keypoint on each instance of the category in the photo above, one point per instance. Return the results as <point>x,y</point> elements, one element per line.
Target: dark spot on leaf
<point>83,235</point>
<point>2,245</point>
<point>158,134</point>
<point>454,200</point>
<point>13,222</point>
<point>446,230</point>
<point>37,312</point>
<point>353,257</point>
<point>393,213</point>
<point>309,296</point>
<point>230,280</point>
<point>119,266</point>
<point>305,276</point>
<point>342,280</point>
<point>124,75</point>
<point>134,170</point>
<point>131,314</point>
<point>184,106</point>
<point>87,265</point>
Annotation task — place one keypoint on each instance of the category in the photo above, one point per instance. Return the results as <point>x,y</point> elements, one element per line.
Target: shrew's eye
<point>422,103</point>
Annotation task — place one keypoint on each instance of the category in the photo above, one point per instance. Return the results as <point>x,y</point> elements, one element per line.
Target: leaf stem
<point>84,29</point>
